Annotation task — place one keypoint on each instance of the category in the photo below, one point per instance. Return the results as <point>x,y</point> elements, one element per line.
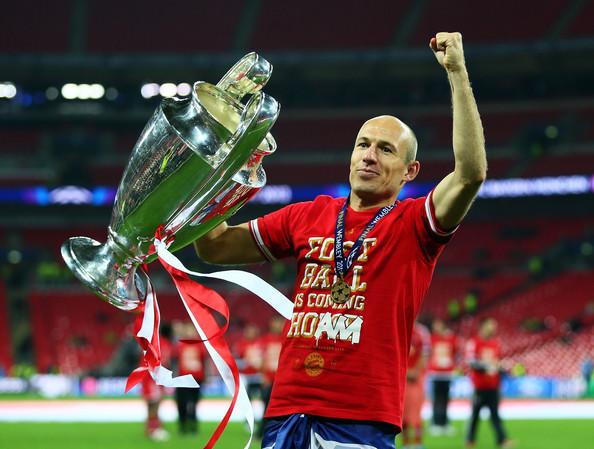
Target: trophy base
<point>94,265</point>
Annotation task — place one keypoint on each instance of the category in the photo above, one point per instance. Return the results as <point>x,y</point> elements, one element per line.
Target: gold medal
<point>341,291</point>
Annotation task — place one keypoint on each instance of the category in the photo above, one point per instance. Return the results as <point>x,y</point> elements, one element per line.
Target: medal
<point>341,291</point>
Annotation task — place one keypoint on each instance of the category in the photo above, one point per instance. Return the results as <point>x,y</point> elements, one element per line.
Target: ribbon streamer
<point>249,281</point>
<point>147,335</point>
<point>197,299</point>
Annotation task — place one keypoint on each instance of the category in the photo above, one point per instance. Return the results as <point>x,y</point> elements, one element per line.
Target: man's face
<point>489,328</point>
<point>379,159</point>
<point>439,327</point>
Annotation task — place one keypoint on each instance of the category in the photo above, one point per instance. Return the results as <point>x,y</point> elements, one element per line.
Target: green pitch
<point>546,434</point>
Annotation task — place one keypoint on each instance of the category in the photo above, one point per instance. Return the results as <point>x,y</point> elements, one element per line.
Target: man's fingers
<point>444,40</point>
<point>433,44</point>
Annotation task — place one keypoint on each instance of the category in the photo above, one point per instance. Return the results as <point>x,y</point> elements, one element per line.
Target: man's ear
<point>412,170</point>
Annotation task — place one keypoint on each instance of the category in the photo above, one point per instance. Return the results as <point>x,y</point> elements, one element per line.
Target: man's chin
<point>370,192</point>
<point>365,188</point>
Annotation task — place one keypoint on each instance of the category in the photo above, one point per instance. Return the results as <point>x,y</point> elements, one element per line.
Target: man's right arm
<point>229,245</point>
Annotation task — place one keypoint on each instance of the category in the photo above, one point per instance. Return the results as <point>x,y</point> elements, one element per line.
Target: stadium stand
<point>74,331</point>
<point>276,31</point>
<point>490,23</point>
<point>558,357</point>
<point>536,124</point>
<point>46,25</point>
<point>5,345</point>
<point>162,27</point>
<point>581,26</point>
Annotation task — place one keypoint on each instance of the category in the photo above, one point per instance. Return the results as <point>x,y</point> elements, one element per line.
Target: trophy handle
<point>257,118</point>
<point>247,76</point>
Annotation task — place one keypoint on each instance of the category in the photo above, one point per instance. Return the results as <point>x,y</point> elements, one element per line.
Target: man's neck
<point>362,204</point>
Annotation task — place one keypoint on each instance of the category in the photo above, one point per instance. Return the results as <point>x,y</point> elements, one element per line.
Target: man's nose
<point>370,154</point>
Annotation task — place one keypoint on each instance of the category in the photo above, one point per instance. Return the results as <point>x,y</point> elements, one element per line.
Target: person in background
<point>153,393</point>
<point>414,394</point>
<point>191,359</point>
<point>483,355</point>
<point>442,362</point>
<point>249,352</point>
<point>271,346</point>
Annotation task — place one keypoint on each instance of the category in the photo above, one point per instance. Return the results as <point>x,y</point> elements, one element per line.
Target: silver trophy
<point>197,161</point>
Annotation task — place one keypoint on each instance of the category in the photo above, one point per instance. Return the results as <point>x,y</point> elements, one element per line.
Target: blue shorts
<point>313,432</point>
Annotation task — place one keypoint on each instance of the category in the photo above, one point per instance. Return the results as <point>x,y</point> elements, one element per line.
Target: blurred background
<point>80,78</point>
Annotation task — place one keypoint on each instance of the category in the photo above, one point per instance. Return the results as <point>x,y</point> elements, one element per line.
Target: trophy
<point>197,161</point>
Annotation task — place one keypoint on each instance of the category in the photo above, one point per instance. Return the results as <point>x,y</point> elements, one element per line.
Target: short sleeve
<point>432,238</point>
<point>273,233</point>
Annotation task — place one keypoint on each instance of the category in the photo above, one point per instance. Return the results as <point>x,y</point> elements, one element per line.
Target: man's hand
<point>447,48</point>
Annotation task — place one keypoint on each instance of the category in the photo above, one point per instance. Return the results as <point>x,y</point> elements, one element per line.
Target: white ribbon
<point>243,401</point>
<point>161,375</point>
<point>249,281</point>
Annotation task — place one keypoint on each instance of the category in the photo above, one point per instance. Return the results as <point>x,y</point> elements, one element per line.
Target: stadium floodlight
<point>69,91</point>
<point>97,91</point>
<point>184,89</point>
<point>84,91</point>
<point>149,90</point>
<point>7,90</point>
<point>168,90</point>
<point>11,90</point>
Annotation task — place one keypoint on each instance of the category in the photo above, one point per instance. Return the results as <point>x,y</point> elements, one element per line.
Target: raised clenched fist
<point>448,50</point>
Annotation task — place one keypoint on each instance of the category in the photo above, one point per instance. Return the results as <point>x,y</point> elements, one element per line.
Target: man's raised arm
<point>454,195</point>
<point>228,245</point>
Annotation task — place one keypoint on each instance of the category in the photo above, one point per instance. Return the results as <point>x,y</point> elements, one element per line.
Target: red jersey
<point>349,361</point>
<point>271,348</point>
<point>250,353</point>
<point>488,352</point>
<point>191,358</point>
<point>444,349</point>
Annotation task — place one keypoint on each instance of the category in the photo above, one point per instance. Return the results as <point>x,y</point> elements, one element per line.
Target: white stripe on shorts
<point>317,442</point>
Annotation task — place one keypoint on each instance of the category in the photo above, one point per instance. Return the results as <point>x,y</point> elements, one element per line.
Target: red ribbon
<point>199,300</point>
<point>151,349</point>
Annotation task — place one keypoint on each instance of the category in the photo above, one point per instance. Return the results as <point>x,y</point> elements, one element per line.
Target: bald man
<point>364,265</point>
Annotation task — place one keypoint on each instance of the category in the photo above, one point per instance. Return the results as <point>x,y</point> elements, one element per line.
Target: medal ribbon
<point>343,264</point>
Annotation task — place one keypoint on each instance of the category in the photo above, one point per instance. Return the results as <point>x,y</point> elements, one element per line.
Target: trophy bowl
<point>197,161</point>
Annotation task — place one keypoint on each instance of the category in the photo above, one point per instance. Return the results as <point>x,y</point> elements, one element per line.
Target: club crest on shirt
<point>314,364</point>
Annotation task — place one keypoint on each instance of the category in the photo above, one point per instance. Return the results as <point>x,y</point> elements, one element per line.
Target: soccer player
<point>443,360</point>
<point>271,348</point>
<point>191,359</point>
<point>250,353</point>
<point>414,394</point>
<point>364,265</point>
<point>484,360</point>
